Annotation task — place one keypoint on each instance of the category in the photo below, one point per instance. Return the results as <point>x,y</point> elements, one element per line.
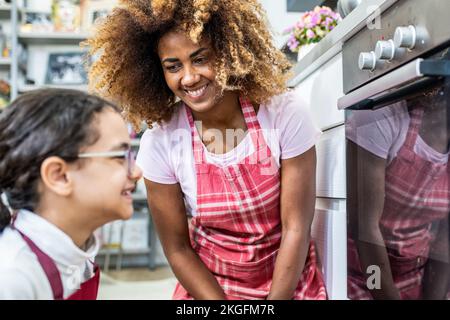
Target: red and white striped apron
<point>237,229</point>
<point>417,197</point>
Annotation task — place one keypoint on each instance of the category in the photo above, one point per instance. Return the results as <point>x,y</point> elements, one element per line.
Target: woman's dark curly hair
<point>128,70</point>
<point>38,125</point>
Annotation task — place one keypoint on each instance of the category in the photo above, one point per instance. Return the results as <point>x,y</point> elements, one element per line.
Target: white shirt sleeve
<point>377,130</point>
<point>15,285</point>
<point>154,157</point>
<point>298,132</point>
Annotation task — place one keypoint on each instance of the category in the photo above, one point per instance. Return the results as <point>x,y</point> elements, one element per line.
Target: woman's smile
<point>196,94</point>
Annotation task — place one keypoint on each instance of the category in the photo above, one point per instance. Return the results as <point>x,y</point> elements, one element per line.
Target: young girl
<point>230,146</point>
<point>65,170</point>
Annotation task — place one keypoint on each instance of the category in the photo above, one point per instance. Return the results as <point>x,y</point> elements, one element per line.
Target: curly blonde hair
<point>128,69</point>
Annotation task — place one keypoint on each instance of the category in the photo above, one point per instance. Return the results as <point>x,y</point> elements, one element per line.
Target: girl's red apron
<point>417,196</point>
<point>87,291</point>
<point>237,229</point>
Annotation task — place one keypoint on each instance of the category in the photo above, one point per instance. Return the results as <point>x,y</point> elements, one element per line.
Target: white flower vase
<point>304,50</point>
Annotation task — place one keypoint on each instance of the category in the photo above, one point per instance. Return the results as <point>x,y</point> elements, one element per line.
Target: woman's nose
<point>190,78</point>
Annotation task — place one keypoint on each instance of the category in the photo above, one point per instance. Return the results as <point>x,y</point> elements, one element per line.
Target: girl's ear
<point>54,176</point>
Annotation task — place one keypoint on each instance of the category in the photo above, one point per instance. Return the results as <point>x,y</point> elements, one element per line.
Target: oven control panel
<point>405,31</point>
<point>404,38</point>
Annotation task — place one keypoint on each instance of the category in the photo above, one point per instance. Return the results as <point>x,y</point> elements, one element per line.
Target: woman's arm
<point>298,196</point>
<point>366,174</point>
<point>169,215</point>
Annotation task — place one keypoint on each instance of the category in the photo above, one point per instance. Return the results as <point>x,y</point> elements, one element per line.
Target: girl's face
<point>103,186</point>
<point>189,70</point>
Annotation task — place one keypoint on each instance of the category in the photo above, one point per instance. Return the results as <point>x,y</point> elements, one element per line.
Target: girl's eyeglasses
<point>128,155</point>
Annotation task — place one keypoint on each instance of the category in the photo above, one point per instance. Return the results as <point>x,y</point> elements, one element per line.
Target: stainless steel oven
<point>397,122</point>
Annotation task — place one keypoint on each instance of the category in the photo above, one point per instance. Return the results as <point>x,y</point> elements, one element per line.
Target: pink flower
<point>288,30</point>
<point>293,46</point>
<point>325,10</point>
<point>293,43</point>
<point>310,34</point>
<point>306,19</point>
<point>311,27</point>
<point>328,21</point>
<point>335,16</point>
<point>315,19</point>
<point>300,24</point>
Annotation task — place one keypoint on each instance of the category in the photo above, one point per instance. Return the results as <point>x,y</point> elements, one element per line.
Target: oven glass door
<point>398,193</point>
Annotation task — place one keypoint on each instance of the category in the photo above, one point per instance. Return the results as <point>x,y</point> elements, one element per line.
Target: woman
<point>230,146</point>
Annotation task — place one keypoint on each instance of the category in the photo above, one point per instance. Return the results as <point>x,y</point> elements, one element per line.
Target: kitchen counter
<point>331,45</point>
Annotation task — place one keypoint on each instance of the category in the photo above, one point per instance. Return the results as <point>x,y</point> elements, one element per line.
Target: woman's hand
<point>169,215</point>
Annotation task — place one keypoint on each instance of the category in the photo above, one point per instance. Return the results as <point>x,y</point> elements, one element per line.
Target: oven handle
<point>395,82</point>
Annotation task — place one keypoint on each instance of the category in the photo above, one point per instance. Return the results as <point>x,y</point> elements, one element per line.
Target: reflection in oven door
<point>398,194</point>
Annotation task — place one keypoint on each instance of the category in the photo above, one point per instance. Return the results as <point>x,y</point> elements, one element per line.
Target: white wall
<point>279,18</point>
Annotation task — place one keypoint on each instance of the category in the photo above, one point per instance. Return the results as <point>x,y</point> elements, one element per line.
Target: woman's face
<point>189,70</point>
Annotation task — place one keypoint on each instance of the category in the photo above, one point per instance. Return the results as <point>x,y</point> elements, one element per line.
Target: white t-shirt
<point>165,153</point>
<point>383,132</point>
<point>21,275</point>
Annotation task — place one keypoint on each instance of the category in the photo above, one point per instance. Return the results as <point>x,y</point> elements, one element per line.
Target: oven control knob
<point>405,37</point>
<point>367,61</point>
<point>385,50</point>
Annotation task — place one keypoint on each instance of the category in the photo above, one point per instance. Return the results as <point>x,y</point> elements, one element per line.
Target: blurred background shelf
<point>131,243</point>
<point>5,62</point>
<point>139,197</point>
<point>52,38</point>
<point>5,11</point>
<point>30,87</point>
